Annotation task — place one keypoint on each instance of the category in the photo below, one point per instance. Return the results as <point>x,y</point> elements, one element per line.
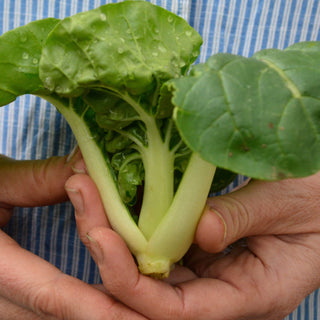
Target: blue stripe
<point>11,14</point>
<point>316,294</point>
<point>268,25</point>
<point>192,13</point>
<point>312,19</point>
<point>224,23</point>
<point>289,25</point>
<point>45,11</point>
<point>233,30</point>
<point>306,307</point>
<point>279,23</point>
<point>255,30</point>
<point>34,9</point>
<point>4,137</point>
<point>300,21</point>
<point>212,28</point>
<point>244,30</point>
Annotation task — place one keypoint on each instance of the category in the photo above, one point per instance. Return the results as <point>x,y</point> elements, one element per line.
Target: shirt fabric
<point>31,128</point>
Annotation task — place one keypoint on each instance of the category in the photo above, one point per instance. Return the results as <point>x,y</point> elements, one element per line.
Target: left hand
<point>266,279</point>
<point>30,287</point>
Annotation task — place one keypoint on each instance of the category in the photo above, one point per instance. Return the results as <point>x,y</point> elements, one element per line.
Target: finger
<point>34,183</point>
<point>260,208</point>
<point>154,298</point>
<point>89,211</point>
<point>10,311</point>
<point>5,215</point>
<point>32,283</point>
<point>275,272</point>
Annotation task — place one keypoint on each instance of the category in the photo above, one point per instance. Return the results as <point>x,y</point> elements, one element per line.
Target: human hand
<point>30,287</point>
<point>265,279</point>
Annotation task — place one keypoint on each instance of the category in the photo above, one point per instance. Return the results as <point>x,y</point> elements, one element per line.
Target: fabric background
<point>31,129</point>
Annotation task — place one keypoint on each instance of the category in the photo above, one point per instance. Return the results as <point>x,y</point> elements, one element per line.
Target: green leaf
<point>130,174</point>
<point>257,116</point>
<point>20,51</point>
<point>111,111</point>
<point>130,47</point>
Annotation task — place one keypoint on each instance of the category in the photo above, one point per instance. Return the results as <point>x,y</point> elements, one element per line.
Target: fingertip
<point>211,231</point>
<point>77,181</point>
<point>85,185</point>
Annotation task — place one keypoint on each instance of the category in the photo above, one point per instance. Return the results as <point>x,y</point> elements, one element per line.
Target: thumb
<point>260,208</point>
<point>34,182</point>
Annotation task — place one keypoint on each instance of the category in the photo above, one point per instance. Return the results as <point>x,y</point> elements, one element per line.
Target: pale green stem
<point>175,233</point>
<point>159,172</point>
<point>118,215</point>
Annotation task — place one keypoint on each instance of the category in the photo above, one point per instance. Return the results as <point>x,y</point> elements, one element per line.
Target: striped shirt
<point>32,129</point>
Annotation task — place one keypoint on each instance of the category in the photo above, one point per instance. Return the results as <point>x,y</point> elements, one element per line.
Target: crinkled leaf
<point>111,111</point>
<point>20,51</point>
<point>256,116</point>
<point>129,47</point>
<point>117,144</point>
<point>130,172</point>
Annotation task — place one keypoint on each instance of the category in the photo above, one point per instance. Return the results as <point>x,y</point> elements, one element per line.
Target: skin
<point>264,276</point>
<point>30,287</point>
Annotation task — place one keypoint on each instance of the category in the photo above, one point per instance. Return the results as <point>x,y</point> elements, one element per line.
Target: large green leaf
<point>257,116</point>
<point>131,47</point>
<point>20,51</point>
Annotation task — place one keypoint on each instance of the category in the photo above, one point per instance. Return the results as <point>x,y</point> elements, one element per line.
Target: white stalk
<point>175,233</point>
<point>118,215</point>
<point>158,189</point>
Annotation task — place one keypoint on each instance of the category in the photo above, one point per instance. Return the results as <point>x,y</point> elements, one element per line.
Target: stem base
<point>155,267</point>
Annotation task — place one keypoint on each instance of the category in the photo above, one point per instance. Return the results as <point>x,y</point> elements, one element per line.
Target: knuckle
<point>48,301</point>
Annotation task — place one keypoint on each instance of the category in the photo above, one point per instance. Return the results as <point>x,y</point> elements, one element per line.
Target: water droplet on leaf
<point>162,49</point>
<point>103,17</point>
<point>23,37</point>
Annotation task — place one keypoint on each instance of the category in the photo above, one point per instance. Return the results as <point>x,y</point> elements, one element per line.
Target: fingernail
<point>95,249</point>
<point>74,154</point>
<point>77,200</point>
<point>79,166</point>
<point>222,222</point>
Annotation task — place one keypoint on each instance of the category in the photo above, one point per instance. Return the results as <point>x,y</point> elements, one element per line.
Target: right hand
<point>264,278</point>
<point>30,287</point>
